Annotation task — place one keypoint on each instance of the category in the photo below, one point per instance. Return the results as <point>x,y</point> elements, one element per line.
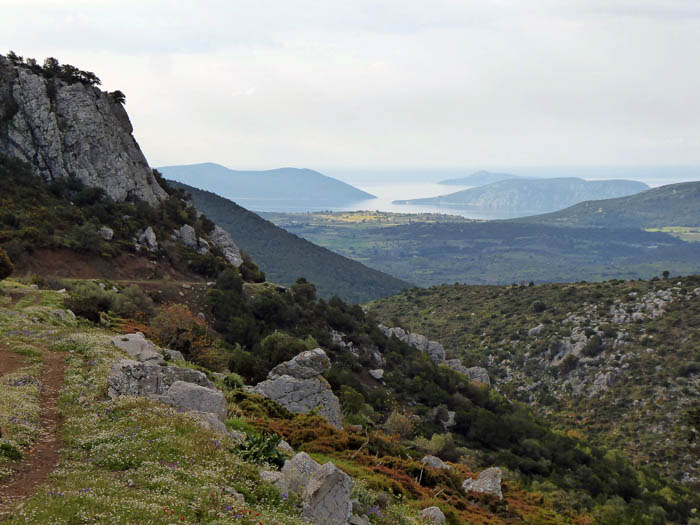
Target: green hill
<point>671,205</point>
<point>618,361</point>
<point>287,187</point>
<point>480,178</point>
<point>284,257</point>
<point>518,197</point>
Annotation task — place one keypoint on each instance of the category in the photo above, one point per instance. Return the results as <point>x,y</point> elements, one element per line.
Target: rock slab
<point>326,498</point>
<point>298,386</point>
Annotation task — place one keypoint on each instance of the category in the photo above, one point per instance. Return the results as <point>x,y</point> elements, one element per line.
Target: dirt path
<point>43,457</point>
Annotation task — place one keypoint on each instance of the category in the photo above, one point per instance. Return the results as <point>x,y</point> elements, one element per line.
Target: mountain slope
<point>282,186</point>
<point>480,178</point>
<point>514,198</point>
<point>616,361</point>
<point>671,205</point>
<point>284,257</point>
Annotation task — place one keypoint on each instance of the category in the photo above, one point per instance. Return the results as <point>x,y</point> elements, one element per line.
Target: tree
<point>6,266</point>
<point>118,96</point>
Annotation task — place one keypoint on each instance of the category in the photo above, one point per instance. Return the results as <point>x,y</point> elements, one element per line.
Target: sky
<point>386,84</point>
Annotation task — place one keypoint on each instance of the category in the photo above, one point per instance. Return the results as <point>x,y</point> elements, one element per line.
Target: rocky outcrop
<point>326,497</point>
<point>147,239</point>
<point>195,398</point>
<point>72,130</point>
<point>433,514</point>
<point>324,489</point>
<point>188,235</point>
<point>138,347</point>
<point>298,386</point>
<point>221,238</point>
<point>297,472</point>
<point>474,373</point>
<point>432,348</point>
<point>488,482</point>
<point>134,378</point>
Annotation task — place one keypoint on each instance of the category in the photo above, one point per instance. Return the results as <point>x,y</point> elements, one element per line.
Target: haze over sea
<point>390,185</point>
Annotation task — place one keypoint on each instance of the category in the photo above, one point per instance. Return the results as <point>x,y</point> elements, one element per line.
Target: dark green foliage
<point>118,97</point>
<point>53,69</point>
<point>261,449</point>
<point>593,347</point>
<point>88,300</point>
<point>133,303</point>
<point>10,451</point>
<point>6,266</point>
<point>285,257</point>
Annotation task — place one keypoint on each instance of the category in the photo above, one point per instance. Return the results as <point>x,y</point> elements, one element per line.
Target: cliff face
<point>72,129</point>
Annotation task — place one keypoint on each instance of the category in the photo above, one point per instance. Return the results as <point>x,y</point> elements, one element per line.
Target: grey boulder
<point>311,363</point>
<point>194,398</point>
<point>435,462</point>
<point>134,378</point>
<point>298,386</point>
<point>297,472</point>
<point>138,347</point>
<point>488,482</point>
<point>433,514</point>
<point>326,498</point>
<point>223,240</point>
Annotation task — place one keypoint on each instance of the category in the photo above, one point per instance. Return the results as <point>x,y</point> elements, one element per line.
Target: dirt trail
<point>43,457</point>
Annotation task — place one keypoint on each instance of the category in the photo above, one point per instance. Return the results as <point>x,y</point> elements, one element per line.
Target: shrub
<point>88,300</point>
<point>398,423</point>
<point>6,266</point>
<point>593,347</point>
<point>84,238</point>
<point>538,307</point>
<point>177,328</point>
<point>261,449</point>
<point>134,303</point>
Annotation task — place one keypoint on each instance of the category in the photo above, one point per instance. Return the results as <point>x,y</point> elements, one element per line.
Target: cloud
<point>340,83</point>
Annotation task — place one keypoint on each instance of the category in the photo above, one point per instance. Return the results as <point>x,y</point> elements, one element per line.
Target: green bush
<point>88,300</point>
<point>133,303</point>
<point>6,266</point>
<point>261,449</point>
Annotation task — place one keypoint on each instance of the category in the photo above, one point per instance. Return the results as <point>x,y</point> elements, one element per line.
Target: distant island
<point>672,205</point>
<point>479,178</point>
<point>520,197</point>
<point>253,189</point>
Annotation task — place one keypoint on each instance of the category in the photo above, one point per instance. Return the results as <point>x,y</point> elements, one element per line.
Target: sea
<point>391,185</point>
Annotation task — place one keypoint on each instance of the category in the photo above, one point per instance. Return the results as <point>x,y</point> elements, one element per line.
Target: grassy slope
<point>284,257</point>
<point>136,461</point>
<point>671,205</point>
<point>656,382</point>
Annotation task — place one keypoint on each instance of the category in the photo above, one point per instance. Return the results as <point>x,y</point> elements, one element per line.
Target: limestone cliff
<point>72,129</point>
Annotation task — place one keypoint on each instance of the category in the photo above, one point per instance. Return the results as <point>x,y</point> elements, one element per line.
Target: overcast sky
<point>386,84</point>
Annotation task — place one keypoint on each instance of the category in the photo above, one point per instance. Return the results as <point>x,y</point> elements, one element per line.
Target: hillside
<point>514,198</point>
<point>441,249</point>
<point>284,257</point>
<point>270,189</point>
<point>671,205</point>
<point>618,362</point>
<point>147,462</point>
<point>479,178</point>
